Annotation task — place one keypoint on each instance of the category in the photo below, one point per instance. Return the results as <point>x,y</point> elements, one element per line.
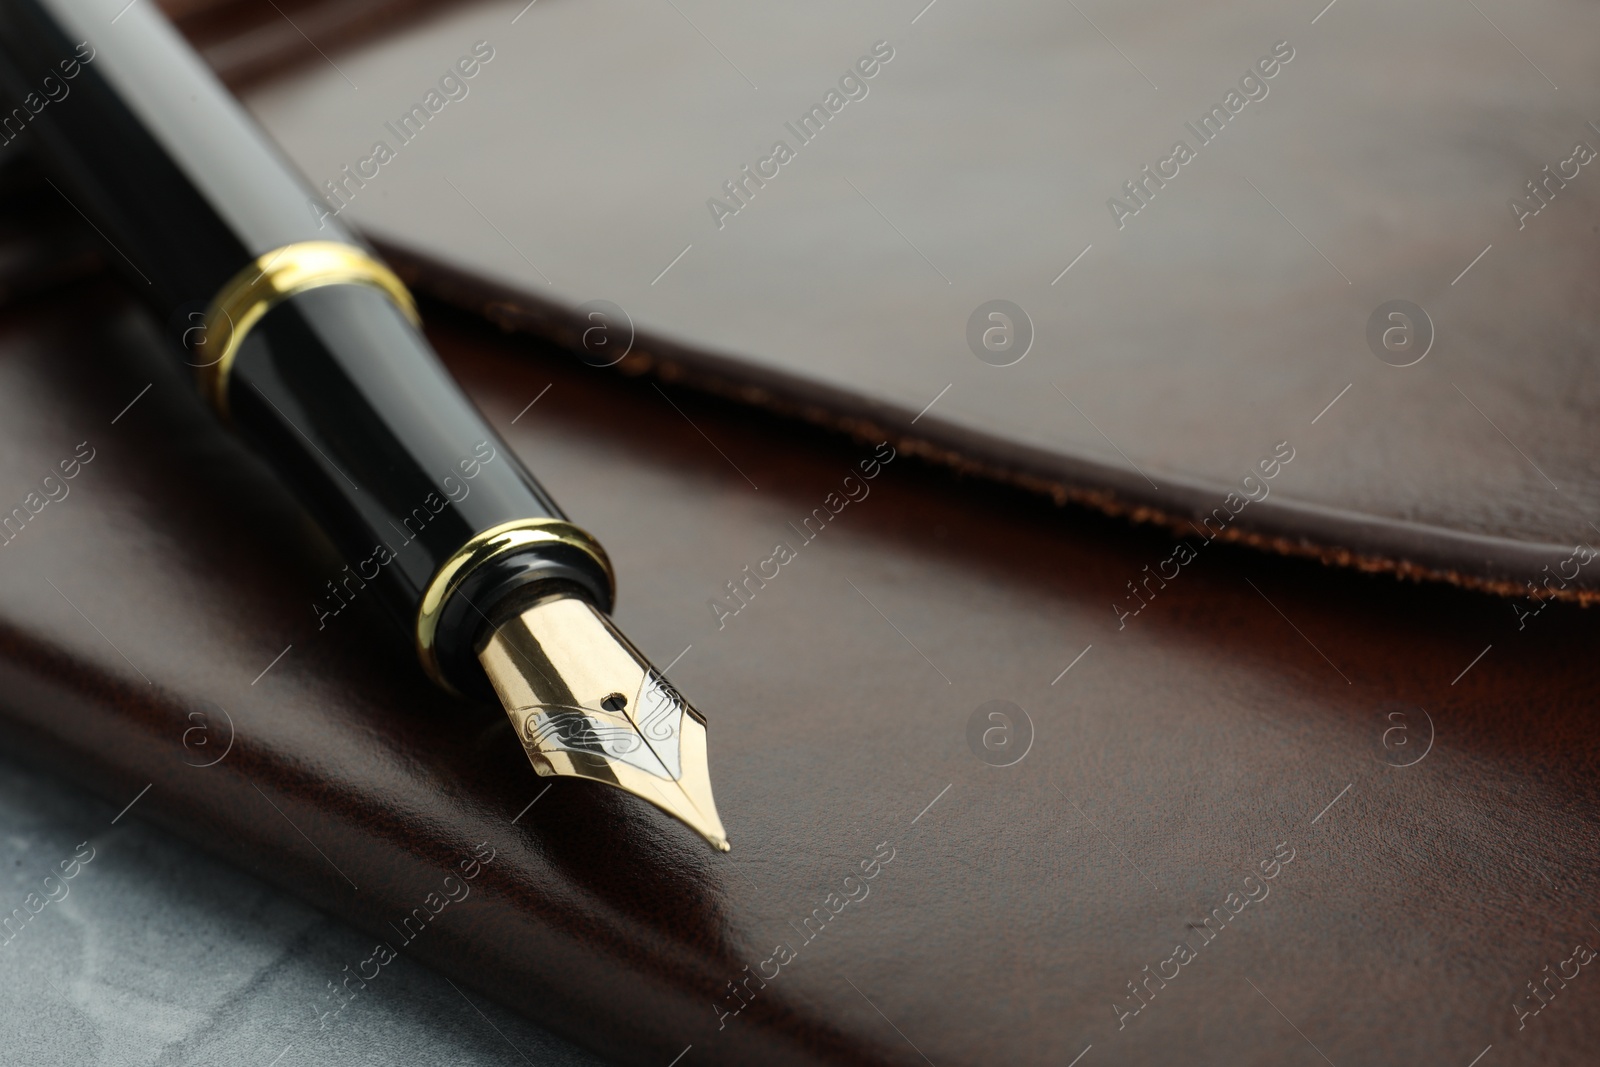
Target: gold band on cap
<point>482,548</point>
<point>276,276</point>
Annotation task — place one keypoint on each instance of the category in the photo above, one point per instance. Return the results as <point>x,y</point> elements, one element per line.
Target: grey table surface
<point>160,954</point>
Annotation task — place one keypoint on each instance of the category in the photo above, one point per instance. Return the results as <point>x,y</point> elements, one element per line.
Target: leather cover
<point>1365,809</point>
<point>1170,769</point>
<point>1216,315</point>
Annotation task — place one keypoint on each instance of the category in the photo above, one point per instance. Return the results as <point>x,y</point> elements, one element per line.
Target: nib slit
<point>580,723</point>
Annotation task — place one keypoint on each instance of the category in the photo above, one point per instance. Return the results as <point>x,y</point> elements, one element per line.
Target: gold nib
<point>585,703</point>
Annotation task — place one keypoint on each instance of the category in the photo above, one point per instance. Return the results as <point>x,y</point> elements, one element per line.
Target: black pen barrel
<point>302,340</point>
<point>140,136</point>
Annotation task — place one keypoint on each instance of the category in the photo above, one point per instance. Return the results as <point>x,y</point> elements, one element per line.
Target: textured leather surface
<point>1247,712</point>
<point>1194,336</point>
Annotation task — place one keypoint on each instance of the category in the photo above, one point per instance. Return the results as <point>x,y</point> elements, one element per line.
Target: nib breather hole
<point>614,702</point>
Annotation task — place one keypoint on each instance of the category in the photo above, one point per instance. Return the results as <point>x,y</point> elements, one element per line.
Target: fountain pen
<point>308,346</point>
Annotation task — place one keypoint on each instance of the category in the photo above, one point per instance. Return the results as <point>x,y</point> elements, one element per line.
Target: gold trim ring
<point>484,547</point>
<point>274,277</point>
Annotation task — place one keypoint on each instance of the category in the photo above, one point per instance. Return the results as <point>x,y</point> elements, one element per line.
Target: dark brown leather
<point>1219,727</point>
<point>1189,342</point>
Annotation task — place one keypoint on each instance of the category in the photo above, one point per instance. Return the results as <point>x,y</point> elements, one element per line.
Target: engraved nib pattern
<point>586,704</point>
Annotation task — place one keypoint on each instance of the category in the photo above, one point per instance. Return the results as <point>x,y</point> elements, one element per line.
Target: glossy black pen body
<point>308,346</point>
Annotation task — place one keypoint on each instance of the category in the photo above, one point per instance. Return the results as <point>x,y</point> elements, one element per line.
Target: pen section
<point>348,403</point>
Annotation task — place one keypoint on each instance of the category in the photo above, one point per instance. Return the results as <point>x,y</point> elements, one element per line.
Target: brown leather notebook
<point>1282,814</point>
<point>1428,767</point>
